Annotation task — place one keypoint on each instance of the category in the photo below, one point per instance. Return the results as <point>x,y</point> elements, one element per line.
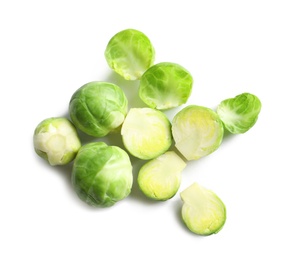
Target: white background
<point>51,48</point>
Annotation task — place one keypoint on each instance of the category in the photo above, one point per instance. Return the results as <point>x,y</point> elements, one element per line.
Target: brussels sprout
<point>240,113</point>
<point>130,53</point>
<point>203,212</point>
<point>56,140</point>
<point>98,108</point>
<point>102,174</point>
<point>160,178</point>
<point>146,133</point>
<point>197,131</point>
<point>165,85</point>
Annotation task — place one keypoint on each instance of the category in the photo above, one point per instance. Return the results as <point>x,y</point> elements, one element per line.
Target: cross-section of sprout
<point>203,211</point>
<point>165,85</point>
<point>56,140</point>
<point>98,108</point>
<point>102,174</point>
<point>160,178</point>
<point>130,53</point>
<point>197,131</point>
<point>240,113</point>
<point>146,133</point>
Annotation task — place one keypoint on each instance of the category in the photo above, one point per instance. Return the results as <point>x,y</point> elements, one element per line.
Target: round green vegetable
<point>130,53</point>
<point>203,211</point>
<point>56,140</point>
<point>102,174</point>
<point>160,178</point>
<point>240,113</point>
<point>146,133</point>
<point>165,85</point>
<point>197,131</point>
<point>98,108</point>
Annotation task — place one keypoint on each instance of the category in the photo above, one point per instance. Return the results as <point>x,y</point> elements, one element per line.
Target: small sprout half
<point>240,113</point>
<point>98,108</point>
<point>197,131</point>
<point>146,133</point>
<point>160,178</point>
<point>165,85</point>
<point>130,53</point>
<point>203,212</point>
<point>102,174</point>
<point>56,140</point>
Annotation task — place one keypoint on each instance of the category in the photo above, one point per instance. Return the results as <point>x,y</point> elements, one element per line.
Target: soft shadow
<point>65,171</point>
<point>65,114</point>
<point>136,193</point>
<point>114,139</point>
<point>177,207</point>
<point>130,88</point>
<point>227,136</point>
<point>85,138</point>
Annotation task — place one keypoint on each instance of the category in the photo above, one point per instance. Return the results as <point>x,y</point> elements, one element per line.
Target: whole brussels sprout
<point>98,108</point>
<point>56,140</point>
<point>102,174</point>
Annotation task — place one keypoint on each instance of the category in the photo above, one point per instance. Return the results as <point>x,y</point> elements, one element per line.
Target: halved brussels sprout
<point>98,108</point>
<point>102,174</point>
<point>203,211</point>
<point>146,133</point>
<point>197,131</point>
<point>165,85</point>
<point>56,140</point>
<point>160,178</point>
<point>240,113</point>
<point>130,53</point>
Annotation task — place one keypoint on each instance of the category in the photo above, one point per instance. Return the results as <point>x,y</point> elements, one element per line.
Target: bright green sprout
<point>203,212</point>
<point>160,178</point>
<point>98,108</point>
<point>240,113</point>
<point>197,131</point>
<point>165,85</point>
<point>102,174</point>
<point>130,53</point>
<point>146,133</point>
<point>56,140</point>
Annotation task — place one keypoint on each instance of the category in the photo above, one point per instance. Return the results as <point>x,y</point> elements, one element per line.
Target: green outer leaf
<point>240,113</point>
<point>130,53</point>
<point>98,108</point>
<point>102,174</point>
<point>165,85</point>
